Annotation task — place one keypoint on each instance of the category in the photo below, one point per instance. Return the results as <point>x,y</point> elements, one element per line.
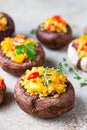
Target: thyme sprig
<point>60,68</point>
<point>77,75</point>
<point>47,82</point>
<point>46,76</point>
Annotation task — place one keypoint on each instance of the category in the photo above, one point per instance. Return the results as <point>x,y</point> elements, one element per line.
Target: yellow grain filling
<point>3,22</point>
<point>38,85</point>
<point>8,47</point>
<point>55,23</point>
<point>82,46</point>
<point>1,78</point>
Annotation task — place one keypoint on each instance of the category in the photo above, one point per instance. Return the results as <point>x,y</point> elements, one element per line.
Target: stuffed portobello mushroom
<point>7,26</point>
<point>19,53</point>
<point>77,52</point>
<point>54,33</point>
<point>44,92</point>
<point>2,89</point>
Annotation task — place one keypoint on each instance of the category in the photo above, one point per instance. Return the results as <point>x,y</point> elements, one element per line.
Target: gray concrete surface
<point>27,15</point>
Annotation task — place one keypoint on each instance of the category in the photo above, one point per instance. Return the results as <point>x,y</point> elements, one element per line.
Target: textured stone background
<point>27,15</point>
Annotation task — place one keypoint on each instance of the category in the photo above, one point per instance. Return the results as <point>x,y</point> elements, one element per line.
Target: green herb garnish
<point>46,69</point>
<point>29,49</point>
<point>47,82</point>
<point>33,31</point>
<point>77,75</point>
<point>83,84</point>
<point>46,76</point>
<point>60,68</point>
<point>19,49</point>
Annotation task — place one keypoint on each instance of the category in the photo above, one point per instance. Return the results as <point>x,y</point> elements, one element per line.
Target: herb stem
<point>46,77</point>
<point>77,75</point>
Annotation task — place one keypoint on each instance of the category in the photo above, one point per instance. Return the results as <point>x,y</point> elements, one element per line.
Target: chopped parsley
<point>29,49</point>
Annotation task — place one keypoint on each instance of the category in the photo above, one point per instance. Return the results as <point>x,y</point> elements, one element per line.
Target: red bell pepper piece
<point>33,75</point>
<point>57,18</point>
<point>86,44</point>
<point>2,84</point>
<point>49,26</point>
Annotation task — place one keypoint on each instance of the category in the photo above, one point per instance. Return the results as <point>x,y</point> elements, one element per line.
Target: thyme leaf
<point>33,31</point>
<point>83,84</point>
<point>47,82</point>
<point>46,69</point>
<point>48,74</point>
<point>70,69</point>
<point>77,75</point>
<point>60,68</point>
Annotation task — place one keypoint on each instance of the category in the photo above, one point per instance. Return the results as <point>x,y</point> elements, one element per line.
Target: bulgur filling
<point>55,23</point>
<point>19,49</point>
<point>44,82</point>
<point>80,44</point>
<point>3,22</point>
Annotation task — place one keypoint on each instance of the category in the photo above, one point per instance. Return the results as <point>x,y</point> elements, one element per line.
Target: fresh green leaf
<point>65,64</point>
<point>28,48</point>
<point>70,69</point>
<point>19,49</point>
<point>48,74</point>
<point>64,59</point>
<point>83,84</point>
<point>47,82</point>
<point>77,77</point>
<point>60,69</point>
<point>33,31</point>
<point>30,51</point>
<point>46,69</point>
<point>42,75</point>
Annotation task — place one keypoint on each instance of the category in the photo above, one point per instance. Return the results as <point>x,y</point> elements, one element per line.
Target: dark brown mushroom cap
<point>2,93</point>
<point>47,107</point>
<point>11,27</point>
<point>54,40</point>
<point>19,69</point>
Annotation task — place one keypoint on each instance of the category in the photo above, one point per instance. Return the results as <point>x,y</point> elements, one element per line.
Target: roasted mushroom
<point>54,33</point>
<point>19,54</point>
<point>2,89</point>
<point>44,93</point>
<point>7,26</point>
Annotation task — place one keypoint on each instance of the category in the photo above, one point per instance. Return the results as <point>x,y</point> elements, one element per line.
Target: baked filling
<point>55,23</point>
<point>19,48</point>
<point>44,82</point>
<point>80,44</point>
<point>3,22</point>
<point>1,83</point>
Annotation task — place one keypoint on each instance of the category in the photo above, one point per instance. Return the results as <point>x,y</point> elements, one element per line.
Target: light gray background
<point>27,15</point>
